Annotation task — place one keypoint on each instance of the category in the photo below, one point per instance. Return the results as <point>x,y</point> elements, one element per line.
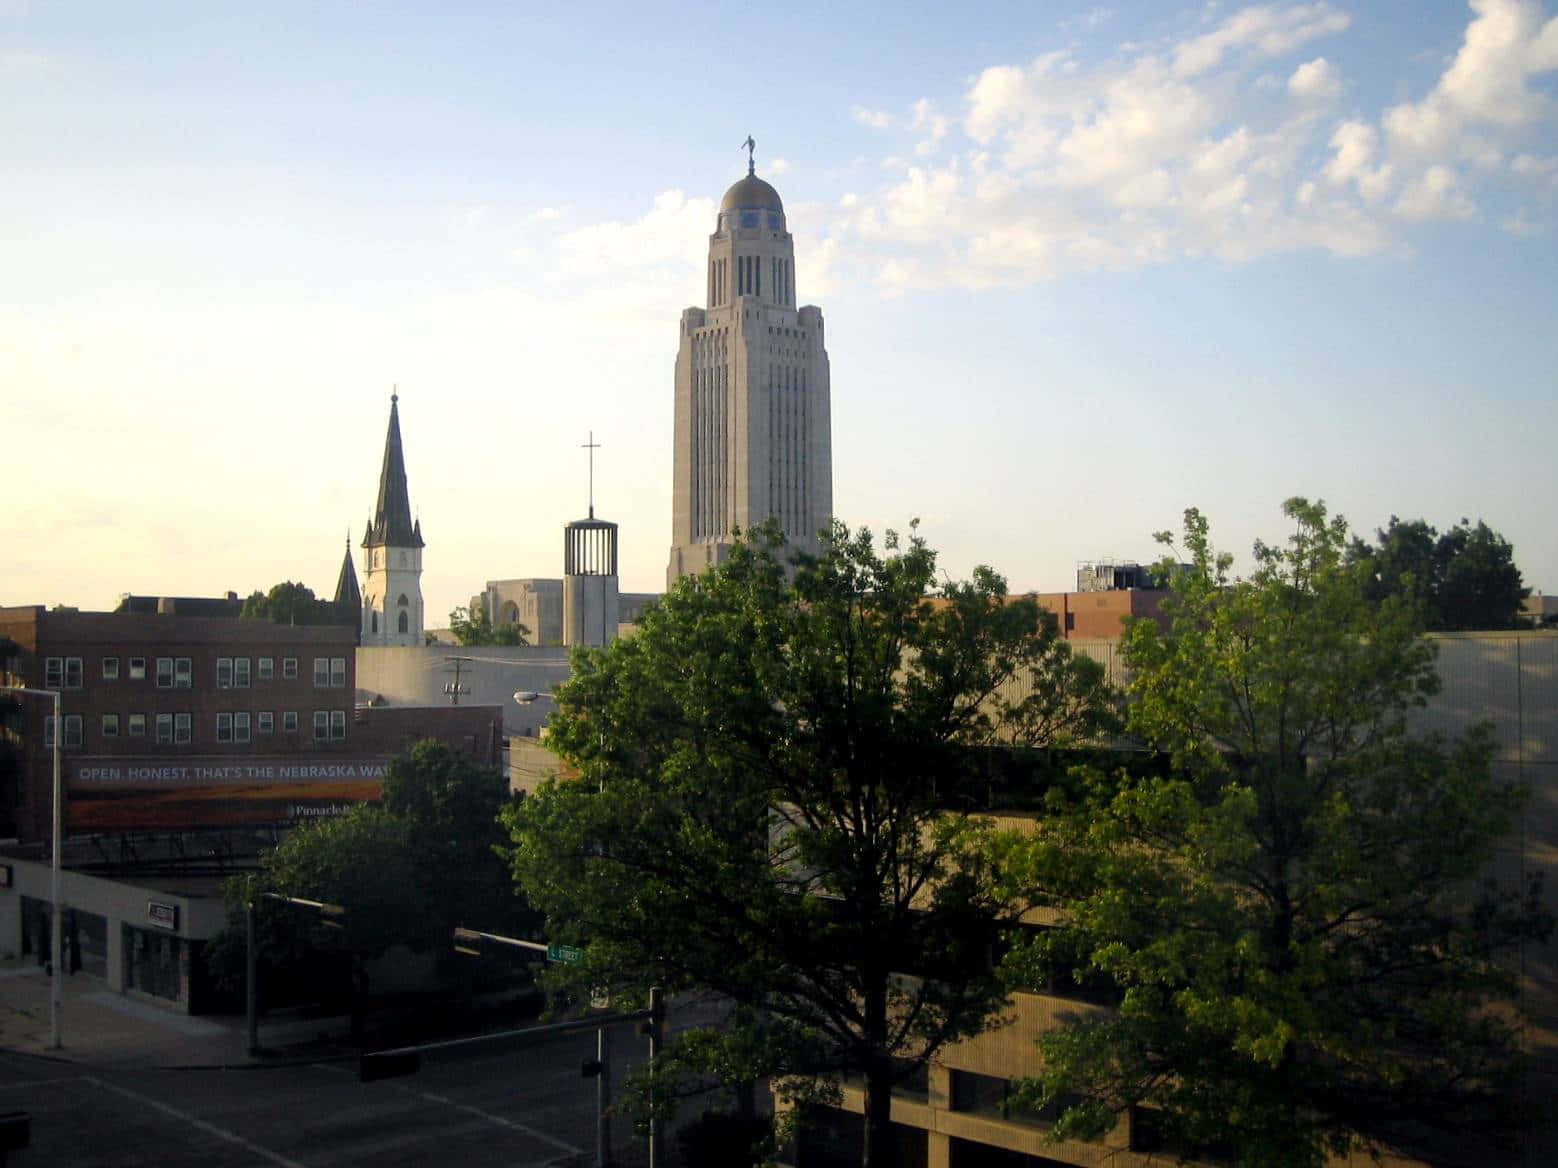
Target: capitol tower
<point>753,436</point>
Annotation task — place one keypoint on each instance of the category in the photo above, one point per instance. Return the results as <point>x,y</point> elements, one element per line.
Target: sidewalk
<point>101,1028</point>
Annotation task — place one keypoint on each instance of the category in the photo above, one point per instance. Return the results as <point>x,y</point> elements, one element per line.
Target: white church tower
<point>392,554</point>
<point>753,431</point>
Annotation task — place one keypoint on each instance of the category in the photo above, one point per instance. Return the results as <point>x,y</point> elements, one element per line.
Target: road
<point>527,1107</point>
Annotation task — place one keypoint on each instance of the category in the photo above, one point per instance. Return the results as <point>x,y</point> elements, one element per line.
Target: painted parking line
<point>194,1122</point>
<point>445,1101</point>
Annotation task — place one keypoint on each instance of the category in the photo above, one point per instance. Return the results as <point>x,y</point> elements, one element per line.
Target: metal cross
<point>592,446</point>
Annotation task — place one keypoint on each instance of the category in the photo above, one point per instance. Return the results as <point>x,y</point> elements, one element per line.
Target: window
<point>337,672</point>
<point>164,673</point>
<point>73,673</point>
<point>321,725</point>
<point>137,669</point>
<point>110,725</point>
<point>289,721</point>
<point>289,668</point>
<point>240,673</point>
<point>241,726</point>
<point>137,726</point>
<point>321,672</point>
<point>180,728</point>
<point>54,673</point>
<point>224,672</point>
<point>48,730</point>
<point>224,727</point>
<point>164,729</point>
<point>337,725</point>
<point>110,669</point>
<point>267,722</point>
<point>183,675</point>
<point>405,623</point>
<point>265,668</point>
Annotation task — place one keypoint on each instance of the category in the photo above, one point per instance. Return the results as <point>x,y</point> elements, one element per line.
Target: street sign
<point>564,953</point>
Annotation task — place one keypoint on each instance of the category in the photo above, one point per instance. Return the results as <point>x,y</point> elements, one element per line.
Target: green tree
<point>475,628</point>
<point>365,861</point>
<point>288,603</point>
<point>1293,915</point>
<point>452,805</point>
<point>1463,579</point>
<point>773,778</point>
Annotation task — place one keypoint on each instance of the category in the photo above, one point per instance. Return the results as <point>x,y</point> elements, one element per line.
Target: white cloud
<point>1434,194</point>
<point>1356,146</point>
<point>1317,80</point>
<point>674,231</point>
<point>544,215</point>
<point>1505,45</point>
<point>777,166</point>
<point>872,119</point>
<point>1270,30</point>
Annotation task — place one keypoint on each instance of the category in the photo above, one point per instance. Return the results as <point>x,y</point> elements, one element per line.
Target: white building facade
<point>753,429</point>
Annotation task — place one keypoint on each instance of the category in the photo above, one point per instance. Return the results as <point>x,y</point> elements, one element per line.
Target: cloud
<point>777,166</point>
<point>1213,142</point>
<point>1317,80</point>
<point>544,215</point>
<point>1268,30</point>
<point>870,118</point>
<point>674,231</point>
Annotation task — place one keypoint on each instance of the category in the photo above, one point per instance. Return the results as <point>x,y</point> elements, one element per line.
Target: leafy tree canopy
<point>288,603</point>
<point>475,628</point>
<point>1293,915</point>
<point>1465,578</point>
<point>766,771</point>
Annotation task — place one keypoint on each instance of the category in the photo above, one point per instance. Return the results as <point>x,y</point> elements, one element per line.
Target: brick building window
<point>289,721</point>
<point>240,673</point>
<point>224,672</point>
<point>265,668</point>
<point>110,725</point>
<point>136,726</point>
<point>164,729</point>
<point>289,668</point>
<point>224,727</point>
<point>337,672</point>
<point>183,673</point>
<point>321,725</point>
<point>54,673</point>
<point>137,669</point>
<point>337,725</point>
<point>180,728</point>
<point>72,729</point>
<point>110,669</point>
<point>241,726</point>
<point>321,672</point>
<point>164,673</point>
<point>266,722</point>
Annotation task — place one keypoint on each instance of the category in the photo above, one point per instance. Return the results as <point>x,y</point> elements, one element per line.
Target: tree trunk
<point>879,1147</point>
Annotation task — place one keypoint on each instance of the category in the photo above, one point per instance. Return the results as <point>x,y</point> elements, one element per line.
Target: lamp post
<point>56,930</point>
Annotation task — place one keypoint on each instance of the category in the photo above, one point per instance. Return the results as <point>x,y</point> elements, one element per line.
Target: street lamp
<point>56,986</point>
<point>525,696</point>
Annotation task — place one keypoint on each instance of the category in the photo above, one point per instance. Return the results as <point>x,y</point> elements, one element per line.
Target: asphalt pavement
<point>134,1084</point>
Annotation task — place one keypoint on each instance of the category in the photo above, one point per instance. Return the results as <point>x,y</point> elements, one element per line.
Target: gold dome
<point>751,194</point>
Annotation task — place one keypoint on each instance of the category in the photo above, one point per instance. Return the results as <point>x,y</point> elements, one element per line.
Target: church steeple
<point>348,597</point>
<point>391,599</point>
<point>391,525</point>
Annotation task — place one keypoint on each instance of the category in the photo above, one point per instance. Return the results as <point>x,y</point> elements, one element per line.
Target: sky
<point>1082,267</point>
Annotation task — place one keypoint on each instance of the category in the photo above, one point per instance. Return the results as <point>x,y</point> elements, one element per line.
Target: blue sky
<point>1082,267</point>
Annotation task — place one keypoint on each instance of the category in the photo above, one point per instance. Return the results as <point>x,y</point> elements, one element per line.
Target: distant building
<point>229,605</point>
<point>753,430</point>
<point>392,560</point>
<point>535,603</point>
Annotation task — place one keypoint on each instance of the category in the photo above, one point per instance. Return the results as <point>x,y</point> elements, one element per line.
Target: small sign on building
<point>163,916</point>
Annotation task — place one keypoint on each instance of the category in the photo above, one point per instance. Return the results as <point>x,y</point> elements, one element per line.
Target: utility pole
<point>454,689</point>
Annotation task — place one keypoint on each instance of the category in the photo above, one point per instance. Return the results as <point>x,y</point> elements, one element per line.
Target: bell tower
<point>392,554</point>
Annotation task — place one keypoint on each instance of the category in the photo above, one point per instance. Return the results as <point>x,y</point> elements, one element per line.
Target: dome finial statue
<point>750,146</point>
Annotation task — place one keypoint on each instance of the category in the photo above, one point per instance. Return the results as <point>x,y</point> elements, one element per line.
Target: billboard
<point>125,793</point>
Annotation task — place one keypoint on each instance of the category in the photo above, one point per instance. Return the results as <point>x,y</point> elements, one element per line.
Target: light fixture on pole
<point>56,929</point>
